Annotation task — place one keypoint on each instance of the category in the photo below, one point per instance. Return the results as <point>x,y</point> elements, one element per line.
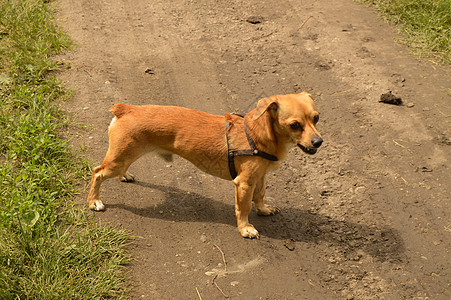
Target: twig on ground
<point>303,23</point>
<point>217,286</point>
<point>90,75</point>
<point>402,146</point>
<point>405,181</point>
<point>198,294</point>
<point>225,270</point>
<point>223,257</point>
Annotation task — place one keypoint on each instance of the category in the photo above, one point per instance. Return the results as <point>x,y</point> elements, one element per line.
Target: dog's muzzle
<point>316,143</point>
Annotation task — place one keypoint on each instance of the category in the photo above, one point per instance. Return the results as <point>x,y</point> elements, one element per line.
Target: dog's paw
<point>127,178</point>
<point>97,205</point>
<point>267,210</point>
<point>249,231</point>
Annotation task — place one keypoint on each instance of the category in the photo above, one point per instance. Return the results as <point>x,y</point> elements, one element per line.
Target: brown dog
<point>277,123</point>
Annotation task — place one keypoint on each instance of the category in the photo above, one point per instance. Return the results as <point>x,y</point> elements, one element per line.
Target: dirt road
<point>368,217</point>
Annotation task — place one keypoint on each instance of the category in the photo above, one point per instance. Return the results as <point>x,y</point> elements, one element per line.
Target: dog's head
<point>294,119</point>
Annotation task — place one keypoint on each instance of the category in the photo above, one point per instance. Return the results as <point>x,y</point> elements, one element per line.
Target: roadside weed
<point>425,25</point>
<point>48,248</point>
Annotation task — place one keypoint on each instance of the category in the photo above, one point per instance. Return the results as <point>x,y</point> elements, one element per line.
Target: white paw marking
<point>249,232</point>
<point>97,206</point>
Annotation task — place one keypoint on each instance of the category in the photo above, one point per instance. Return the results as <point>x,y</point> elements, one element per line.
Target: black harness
<point>249,152</point>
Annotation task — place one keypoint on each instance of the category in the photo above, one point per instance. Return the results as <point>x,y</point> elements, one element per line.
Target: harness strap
<point>230,154</point>
<point>254,148</point>
<point>252,152</point>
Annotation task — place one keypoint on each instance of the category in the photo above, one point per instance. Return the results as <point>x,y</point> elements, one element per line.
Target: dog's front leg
<point>259,194</point>
<point>243,195</point>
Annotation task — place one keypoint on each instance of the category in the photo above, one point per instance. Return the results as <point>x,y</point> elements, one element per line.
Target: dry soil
<point>367,217</point>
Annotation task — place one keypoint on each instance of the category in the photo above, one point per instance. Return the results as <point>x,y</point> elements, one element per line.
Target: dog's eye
<point>295,125</point>
<point>316,119</point>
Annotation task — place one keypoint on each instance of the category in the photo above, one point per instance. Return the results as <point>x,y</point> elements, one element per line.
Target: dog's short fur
<point>277,123</point>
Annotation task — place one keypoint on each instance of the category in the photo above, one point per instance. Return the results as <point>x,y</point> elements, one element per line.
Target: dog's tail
<point>120,109</point>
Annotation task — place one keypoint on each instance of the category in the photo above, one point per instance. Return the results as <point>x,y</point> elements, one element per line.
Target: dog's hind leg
<point>258,197</point>
<point>99,175</point>
<point>115,164</point>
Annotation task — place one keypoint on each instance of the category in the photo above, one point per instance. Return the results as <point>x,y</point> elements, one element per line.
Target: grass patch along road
<point>48,248</point>
<point>425,25</point>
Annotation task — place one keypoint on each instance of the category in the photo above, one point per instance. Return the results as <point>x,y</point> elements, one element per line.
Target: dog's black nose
<point>317,141</point>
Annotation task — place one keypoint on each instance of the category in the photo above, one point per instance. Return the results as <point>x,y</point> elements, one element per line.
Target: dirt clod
<point>324,65</point>
<point>290,244</point>
<point>425,169</point>
<point>389,98</point>
<point>255,19</point>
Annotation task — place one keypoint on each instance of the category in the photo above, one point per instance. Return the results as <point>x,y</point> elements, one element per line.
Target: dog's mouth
<point>308,150</point>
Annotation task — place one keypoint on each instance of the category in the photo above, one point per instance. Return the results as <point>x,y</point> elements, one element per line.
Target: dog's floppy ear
<point>264,105</point>
<point>305,94</point>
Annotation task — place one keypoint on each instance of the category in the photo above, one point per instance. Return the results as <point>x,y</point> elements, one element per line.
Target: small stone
<point>203,238</point>
<point>234,283</point>
<point>359,190</point>
<point>410,104</point>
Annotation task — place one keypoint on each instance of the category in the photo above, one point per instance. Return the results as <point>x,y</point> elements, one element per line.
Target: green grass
<point>48,248</point>
<point>424,24</point>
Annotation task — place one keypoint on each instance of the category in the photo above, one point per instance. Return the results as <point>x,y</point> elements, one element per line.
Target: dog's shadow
<point>383,244</point>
